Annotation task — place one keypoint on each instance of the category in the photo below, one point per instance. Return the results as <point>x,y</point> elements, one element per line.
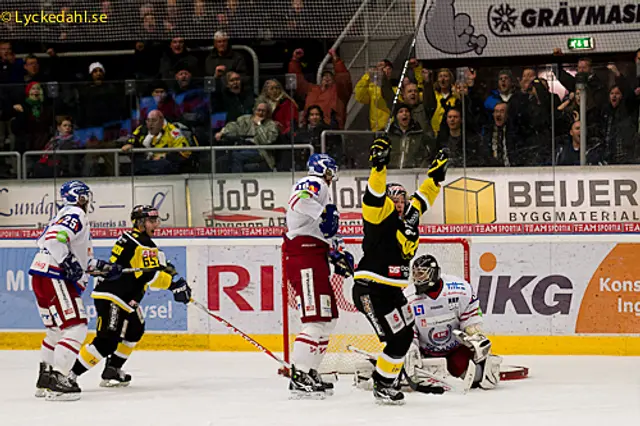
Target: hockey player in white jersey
<point>59,272</point>
<point>309,244</point>
<point>448,334</point>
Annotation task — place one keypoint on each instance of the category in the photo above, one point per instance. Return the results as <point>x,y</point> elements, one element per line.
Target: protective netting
<point>104,21</point>
<point>353,328</point>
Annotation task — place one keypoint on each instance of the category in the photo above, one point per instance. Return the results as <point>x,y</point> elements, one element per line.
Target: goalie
<point>447,334</point>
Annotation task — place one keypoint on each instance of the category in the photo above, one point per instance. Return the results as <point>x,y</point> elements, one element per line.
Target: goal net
<point>353,328</point>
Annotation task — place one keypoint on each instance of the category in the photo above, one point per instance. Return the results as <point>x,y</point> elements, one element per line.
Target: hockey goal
<point>353,328</point>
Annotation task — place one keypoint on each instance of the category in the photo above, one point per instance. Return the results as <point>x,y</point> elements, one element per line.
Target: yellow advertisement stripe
<point>502,345</point>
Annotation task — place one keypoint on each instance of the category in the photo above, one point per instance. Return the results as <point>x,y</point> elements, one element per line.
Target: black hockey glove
<point>438,168</point>
<point>73,271</point>
<point>181,291</point>
<point>343,262</point>
<point>170,269</point>
<point>380,153</point>
<point>110,271</point>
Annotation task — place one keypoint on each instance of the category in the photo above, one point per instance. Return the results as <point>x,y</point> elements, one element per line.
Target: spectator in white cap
<point>223,59</point>
<point>96,70</point>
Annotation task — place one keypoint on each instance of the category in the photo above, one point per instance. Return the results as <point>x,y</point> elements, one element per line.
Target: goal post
<point>352,327</point>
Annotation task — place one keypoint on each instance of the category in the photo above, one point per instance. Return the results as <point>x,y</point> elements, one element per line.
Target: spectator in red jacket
<point>333,93</point>
<point>285,109</point>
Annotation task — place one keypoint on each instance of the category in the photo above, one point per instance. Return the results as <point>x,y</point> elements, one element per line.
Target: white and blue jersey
<point>455,307</point>
<point>309,197</point>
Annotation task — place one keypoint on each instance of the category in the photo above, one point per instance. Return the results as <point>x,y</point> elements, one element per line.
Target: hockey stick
<point>406,64</point>
<point>437,386</point>
<point>240,332</point>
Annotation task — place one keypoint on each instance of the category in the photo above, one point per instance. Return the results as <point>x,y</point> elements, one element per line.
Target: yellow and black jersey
<point>390,242</point>
<point>133,250</point>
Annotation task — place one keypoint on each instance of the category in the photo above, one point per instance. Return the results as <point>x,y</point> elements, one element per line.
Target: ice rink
<point>219,389</point>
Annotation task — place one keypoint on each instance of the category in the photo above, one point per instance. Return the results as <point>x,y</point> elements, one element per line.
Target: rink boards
<point>573,293</point>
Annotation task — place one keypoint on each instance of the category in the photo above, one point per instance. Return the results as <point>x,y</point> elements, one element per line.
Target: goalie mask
<point>425,274</point>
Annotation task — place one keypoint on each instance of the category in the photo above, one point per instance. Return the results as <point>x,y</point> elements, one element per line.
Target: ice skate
<point>113,377</point>
<point>328,387</point>
<point>303,386</point>
<point>386,394</point>
<point>62,388</point>
<point>42,384</point>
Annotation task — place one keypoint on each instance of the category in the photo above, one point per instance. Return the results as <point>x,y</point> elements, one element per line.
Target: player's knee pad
<point>106,343</point>
<point>134,329</point>
<point>328,328</point>
<point>77,332</point>
<point>313,330</point>
<point>398,343</point>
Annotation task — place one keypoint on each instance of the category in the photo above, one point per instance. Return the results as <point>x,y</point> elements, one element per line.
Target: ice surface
<point>220,389</point>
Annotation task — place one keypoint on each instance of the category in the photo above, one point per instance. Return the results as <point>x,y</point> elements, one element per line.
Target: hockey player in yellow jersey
<point>120,323</point>
<point>390,241</point>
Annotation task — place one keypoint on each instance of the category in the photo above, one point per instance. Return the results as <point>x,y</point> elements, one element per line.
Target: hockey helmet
<point>141,212</point>
<point>323,165</point>
<point>425,273</point>
<point>394,189</point>
<point>75,192</point>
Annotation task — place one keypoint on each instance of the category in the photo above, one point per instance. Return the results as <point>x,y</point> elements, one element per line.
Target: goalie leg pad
<point>490,372</point>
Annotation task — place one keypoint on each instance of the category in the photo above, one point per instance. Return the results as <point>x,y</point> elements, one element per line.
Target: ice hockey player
<point>448,329</point>
<point>310,243</point>
<point>59,278</point>
<point>120,323</point>
<point>390,242</point>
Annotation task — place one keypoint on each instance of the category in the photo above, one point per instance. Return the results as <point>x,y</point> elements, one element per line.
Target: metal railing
<point>249,50</point>
<point>118,151</point>
<point>18,162</point>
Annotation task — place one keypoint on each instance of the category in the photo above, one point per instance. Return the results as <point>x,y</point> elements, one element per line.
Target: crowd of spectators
<point>178,98</point>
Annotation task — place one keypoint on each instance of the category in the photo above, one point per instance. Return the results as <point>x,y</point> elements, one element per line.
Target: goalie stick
<point>241,333</point>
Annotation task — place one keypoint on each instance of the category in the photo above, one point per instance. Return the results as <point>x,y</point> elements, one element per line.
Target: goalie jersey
<point>455,307</point>
<point>133,249</point>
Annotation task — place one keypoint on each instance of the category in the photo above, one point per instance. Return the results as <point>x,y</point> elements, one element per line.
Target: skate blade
<point>113,384</point>
<point>297,395</point>
<point>59,396</point>
<point>40,393</point>
<point>385,401</point>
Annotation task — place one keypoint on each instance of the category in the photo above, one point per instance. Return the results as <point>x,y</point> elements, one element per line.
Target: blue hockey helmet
<point>75,192</point>
<point>323,165</point>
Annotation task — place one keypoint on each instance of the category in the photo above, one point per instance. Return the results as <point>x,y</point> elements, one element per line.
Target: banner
<point>18,310</point>
<point>558,288</point>
<point>488,28</point>
<point>31,204</point>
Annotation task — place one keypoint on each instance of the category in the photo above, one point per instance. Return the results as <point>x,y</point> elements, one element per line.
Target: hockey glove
<point>330,221</point>
<point>438,169</point>
<point>380,153</point>
<point>181,291</point>
<point>170,269</point>
<point>343,262</point>
<point>73,271</point>
<point>110,271</point>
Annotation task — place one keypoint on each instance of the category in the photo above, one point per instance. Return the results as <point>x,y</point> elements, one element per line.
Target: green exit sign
<point>580,43</point>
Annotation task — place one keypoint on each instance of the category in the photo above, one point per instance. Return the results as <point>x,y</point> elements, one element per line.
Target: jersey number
<point>150,262</point>
<point>70,222</point>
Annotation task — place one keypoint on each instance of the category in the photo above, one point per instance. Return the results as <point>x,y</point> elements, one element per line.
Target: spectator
<point>33,120</point>
<point>310,132</point>
<point>176,54</point>
<point>439,97</point>
<point>192,103</point>
<point>236,99</point>
<point>462,151</point>
<point>148,51</point>
<point>374,89</point>
<point>333,93</point>
<point>63,165</point>
<point>503,93</point>
<point>222,58</point>
<point>569,149</point>
<point>201,18</point>
<point>617,130</point>
<point>596,91</point>
<point>101,102</point>
<point>285,109</point>
<point>257,129</point>
<point>499,140</point>
<point>412,148</point>
<point>158,133</point>
<point>6,67</point>
<point>411,98</point>
<point>161,100</point>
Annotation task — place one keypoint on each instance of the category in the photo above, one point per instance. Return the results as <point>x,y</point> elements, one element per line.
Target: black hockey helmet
<point>140,212</point>
<point>425,273</point>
